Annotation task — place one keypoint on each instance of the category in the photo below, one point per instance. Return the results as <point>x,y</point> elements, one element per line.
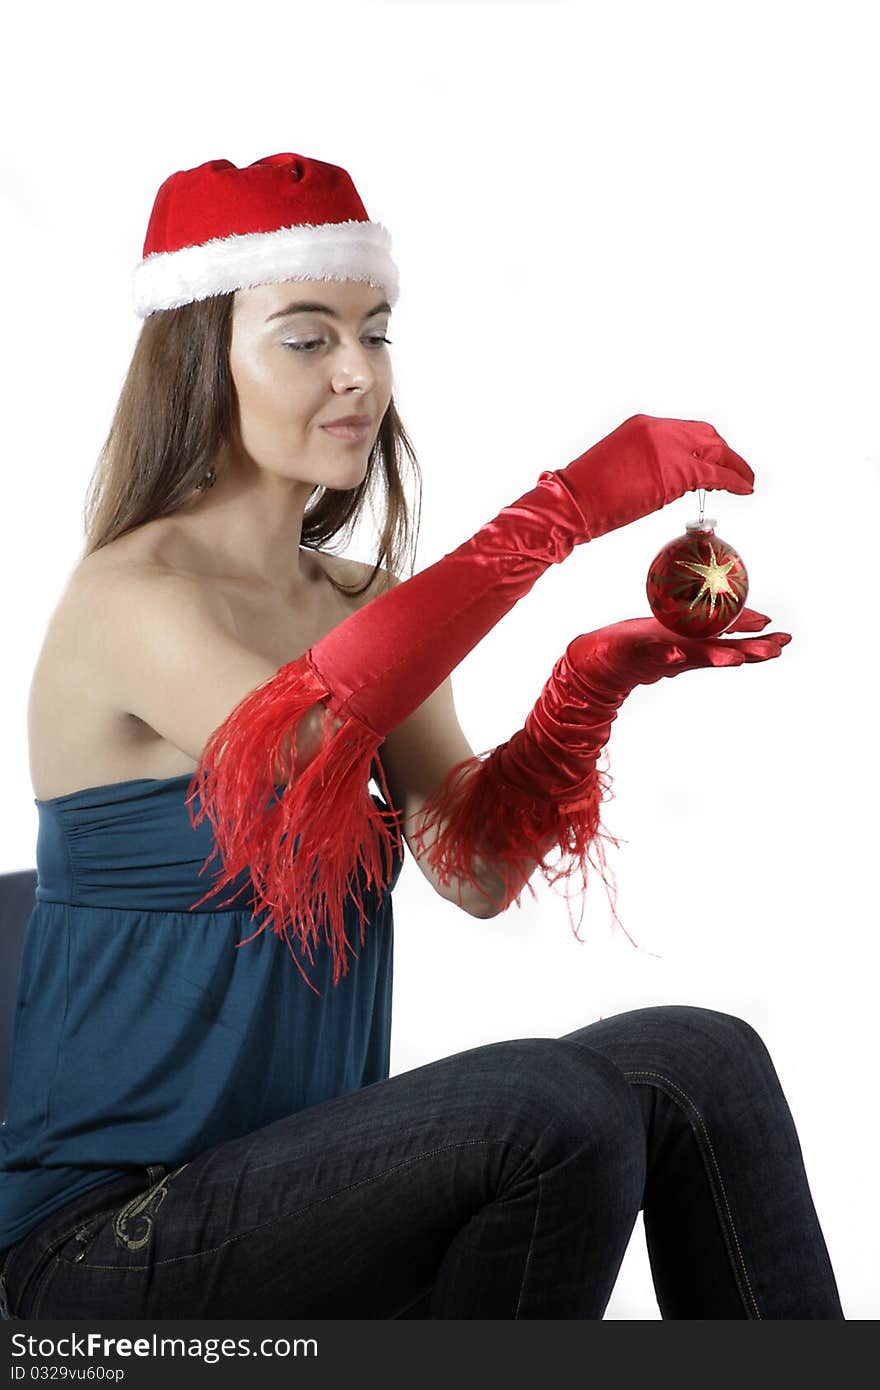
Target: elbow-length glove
<point>374,669</point>
<point>541,791</point>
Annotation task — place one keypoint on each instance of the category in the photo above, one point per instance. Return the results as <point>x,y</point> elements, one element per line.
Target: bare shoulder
<point>79,735</point>
<point>152,549</point>
<point>129,615</point>
<point>99,616</point>
<point>102,583</point>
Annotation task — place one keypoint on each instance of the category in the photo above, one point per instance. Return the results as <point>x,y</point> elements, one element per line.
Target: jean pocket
<point>67,1248</point>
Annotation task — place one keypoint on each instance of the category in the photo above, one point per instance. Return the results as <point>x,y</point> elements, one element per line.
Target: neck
<point>248,527</point>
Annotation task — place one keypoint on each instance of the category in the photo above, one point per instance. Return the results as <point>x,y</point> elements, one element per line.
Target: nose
<point>354,368</point>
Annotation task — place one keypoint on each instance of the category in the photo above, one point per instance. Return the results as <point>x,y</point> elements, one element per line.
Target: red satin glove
<point>386,659</point>
<point>541,790</point>
<point>374,669</point>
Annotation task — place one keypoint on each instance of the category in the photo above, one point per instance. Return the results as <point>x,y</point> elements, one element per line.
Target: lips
<point>351,432</point>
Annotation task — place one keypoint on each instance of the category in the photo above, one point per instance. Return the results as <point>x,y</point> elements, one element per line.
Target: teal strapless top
<point>141,1034</point>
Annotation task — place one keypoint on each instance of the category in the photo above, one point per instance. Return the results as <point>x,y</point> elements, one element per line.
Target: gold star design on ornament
<point>715,579</point>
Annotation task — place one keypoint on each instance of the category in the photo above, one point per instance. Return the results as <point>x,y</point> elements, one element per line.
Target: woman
<point>197,1129</point>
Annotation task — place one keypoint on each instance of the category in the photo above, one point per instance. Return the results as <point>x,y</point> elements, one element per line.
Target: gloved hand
<point>645,463</point>
<point>555,753</point>
<point>541,790</point>
<point>374,669</point>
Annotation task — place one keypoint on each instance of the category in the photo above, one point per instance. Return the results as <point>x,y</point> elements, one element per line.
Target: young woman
<point>201,1119</point>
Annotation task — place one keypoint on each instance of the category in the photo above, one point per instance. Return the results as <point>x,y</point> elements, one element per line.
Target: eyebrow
<point>307,306</point>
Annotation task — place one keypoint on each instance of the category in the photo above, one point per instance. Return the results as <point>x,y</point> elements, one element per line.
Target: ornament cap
<point>708,523</point>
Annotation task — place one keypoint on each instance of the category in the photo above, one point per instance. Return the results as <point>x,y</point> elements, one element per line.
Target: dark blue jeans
<point>501,1182</point>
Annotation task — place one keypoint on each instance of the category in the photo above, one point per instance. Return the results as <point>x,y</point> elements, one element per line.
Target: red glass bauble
<point>697,584</point>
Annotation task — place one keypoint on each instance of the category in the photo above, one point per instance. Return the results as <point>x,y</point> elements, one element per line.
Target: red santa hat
<point>218,228</point>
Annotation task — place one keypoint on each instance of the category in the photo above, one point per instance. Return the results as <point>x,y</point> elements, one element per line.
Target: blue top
<point>141,1034</point>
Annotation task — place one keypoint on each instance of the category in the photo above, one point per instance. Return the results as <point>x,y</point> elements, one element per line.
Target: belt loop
<point>155,1171</point>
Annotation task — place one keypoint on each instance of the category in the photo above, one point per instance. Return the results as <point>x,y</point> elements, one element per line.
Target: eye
<point>310,343</point>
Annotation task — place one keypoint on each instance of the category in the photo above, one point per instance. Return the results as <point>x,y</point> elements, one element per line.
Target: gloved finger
<point>729,459</point>
<point>716,651</point>
<point>763,648</point>
<point>749,620</point>
<point>731,470</point>
<point>717,478</point>
<point>725,654</point>
<point>692,654</point>
<point>704,652</point>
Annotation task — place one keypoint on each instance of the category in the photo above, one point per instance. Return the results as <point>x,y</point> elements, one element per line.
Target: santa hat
<point>218,228</point>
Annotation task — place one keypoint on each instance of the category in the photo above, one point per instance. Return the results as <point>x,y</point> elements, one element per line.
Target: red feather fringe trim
<point>476,813</point>
<point>327,805</point>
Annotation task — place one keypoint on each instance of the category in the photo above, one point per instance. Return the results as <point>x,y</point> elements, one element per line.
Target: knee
<point>575,1097</point>
<point>732,1033</point>
<point>724,1041</point>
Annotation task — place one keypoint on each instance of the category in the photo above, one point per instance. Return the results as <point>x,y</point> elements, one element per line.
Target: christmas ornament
<point>697,584</point>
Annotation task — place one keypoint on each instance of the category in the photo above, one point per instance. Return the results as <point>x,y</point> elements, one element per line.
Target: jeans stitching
<point>529,1255</point>
<point>675,1087</point>
<point>195,1254</point>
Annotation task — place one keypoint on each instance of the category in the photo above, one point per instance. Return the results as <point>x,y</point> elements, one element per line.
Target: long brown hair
<point>175,411</point>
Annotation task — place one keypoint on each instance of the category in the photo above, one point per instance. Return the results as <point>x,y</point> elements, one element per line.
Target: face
<point>295,372</point>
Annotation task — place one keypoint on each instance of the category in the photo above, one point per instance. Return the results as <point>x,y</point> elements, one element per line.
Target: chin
<point>344,479</point>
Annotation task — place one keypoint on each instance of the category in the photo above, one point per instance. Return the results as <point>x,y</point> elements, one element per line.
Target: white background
<point>596,210</point>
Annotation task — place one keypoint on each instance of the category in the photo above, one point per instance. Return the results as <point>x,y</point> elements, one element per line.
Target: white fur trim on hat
<point>332,251</point>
